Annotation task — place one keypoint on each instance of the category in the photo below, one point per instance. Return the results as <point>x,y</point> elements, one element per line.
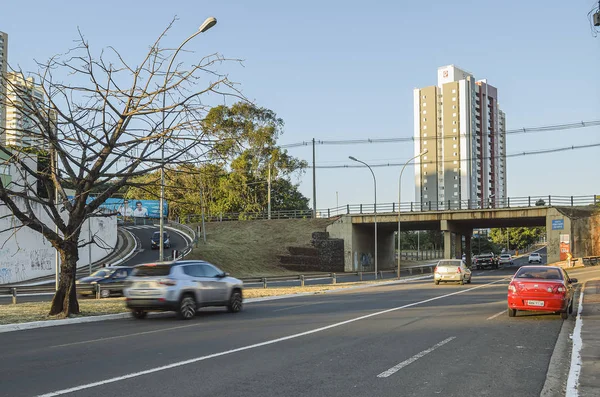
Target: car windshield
<point>102,273</point>
<point>504,256</point>
<point>156,236</point>
<point>538,273</point>
<point>151,270</point>
<point>449,263</point>
<point>535,254</point>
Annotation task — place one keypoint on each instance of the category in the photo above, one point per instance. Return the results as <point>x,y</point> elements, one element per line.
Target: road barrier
<point>106,290</point>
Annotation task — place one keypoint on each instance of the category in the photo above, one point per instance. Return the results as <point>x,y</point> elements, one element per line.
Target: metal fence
<point>386,208</point>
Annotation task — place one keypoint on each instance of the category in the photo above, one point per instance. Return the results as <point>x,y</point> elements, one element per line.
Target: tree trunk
<point>65,302</point>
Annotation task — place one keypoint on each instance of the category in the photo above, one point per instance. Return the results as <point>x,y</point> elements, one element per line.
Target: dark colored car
<point>486,260</point>
<point>155,240</point>
<point>105,276</point>
<point>541,288</point>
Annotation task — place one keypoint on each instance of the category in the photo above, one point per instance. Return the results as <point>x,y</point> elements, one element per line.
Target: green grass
<point>38,311</point>
<point>251,248</point>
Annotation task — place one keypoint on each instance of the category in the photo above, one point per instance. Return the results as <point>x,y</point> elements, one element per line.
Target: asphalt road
<point>410,339</point>
<point>146,253</point>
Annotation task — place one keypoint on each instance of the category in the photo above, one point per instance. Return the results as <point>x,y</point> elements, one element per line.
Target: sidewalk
<point>589,378</point>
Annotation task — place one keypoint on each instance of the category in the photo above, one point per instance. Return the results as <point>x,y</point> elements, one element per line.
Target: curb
<point>117,316</point>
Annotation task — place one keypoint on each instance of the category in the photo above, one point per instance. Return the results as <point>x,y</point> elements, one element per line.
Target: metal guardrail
<point>97,289</point>
<point>446,205</point>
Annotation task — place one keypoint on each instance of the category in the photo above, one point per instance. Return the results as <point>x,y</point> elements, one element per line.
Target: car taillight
<point>559,289</point>
<point>512,288</point>
<point>435,270</point>
<point>167,281</point>
<point>458,270</point>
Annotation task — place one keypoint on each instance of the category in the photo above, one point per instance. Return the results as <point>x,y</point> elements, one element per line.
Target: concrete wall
<point>26,254</point>
<point>586,235</point>
<point>342,229</point>
<point>359,245</point>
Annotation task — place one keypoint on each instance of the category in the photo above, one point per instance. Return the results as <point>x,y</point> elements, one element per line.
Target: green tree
<point>233,177</point>
<point>518,237</point>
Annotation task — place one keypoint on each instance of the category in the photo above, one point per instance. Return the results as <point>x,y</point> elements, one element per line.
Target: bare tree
<point>99,123</point>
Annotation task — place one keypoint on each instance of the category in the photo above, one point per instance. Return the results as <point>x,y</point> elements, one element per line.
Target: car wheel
<point>235,302</point>
<point>436,282</point>
<point>512,312</point>
<point>469,281</point>
<point>187,308</point>
<point>529,261</point>
<point>139,314</point>
<point>564,315</point>
<point>104,293</point>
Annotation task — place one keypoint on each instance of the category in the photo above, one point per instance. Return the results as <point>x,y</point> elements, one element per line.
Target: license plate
<point>535,303</point>
<point>143,285</point>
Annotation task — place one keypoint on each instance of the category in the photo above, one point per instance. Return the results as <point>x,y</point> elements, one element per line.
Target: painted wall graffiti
<point>5,275</point>
<point>26,254</point>
<point>41,259</point>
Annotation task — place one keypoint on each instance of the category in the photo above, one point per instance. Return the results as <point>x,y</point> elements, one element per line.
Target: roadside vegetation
<point>251,248</point>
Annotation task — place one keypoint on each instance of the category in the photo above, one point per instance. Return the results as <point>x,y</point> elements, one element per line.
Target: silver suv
<point>182,286</point>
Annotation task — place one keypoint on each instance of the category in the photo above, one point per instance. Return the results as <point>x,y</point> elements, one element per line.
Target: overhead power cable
<point>518,154</point>
<point>530,130</point>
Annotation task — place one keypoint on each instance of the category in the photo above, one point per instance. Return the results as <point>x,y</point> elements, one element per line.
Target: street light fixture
<point>374,206</point>
<point>400,200</point>
<point>207,24</point>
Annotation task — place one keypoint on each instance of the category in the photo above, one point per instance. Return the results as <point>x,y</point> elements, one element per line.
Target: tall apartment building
<point>461,125</point>
<point>3,68</point>
<point>21,128</point>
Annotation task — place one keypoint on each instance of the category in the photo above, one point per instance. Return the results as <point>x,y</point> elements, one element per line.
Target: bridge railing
<point>383,208</point>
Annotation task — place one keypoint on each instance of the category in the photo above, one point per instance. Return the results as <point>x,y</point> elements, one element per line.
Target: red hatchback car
<point>541,288</point>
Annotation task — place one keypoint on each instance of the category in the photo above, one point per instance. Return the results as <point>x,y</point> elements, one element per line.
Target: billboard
<point>133,208</point>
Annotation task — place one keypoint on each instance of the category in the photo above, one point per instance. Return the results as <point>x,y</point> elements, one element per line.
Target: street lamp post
<point>374,206</point>
<point>400,201</point>
<point>207,24</point>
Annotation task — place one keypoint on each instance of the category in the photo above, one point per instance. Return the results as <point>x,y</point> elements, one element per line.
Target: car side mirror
<point>573,281</point>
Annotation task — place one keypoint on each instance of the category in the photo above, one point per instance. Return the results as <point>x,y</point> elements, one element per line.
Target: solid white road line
<point>414,358</point>
<point>496,315</point>
<point>573,379</point>
<point>254,346</point>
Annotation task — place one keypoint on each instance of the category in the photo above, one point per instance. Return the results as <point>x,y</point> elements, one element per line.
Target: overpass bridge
<point>577,224</point>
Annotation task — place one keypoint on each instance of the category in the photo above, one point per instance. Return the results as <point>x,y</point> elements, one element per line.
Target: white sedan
<point>535,257</point>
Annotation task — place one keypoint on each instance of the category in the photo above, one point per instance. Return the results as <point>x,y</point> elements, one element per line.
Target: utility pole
<point>418,244</point>
<point>90,244</point>
<point>314,181</point>
<point>269,193</point>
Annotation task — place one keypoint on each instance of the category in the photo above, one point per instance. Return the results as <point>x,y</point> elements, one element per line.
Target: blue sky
<point>346,70</point>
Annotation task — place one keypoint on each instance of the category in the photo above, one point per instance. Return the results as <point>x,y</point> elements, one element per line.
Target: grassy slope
<point>250,248</point>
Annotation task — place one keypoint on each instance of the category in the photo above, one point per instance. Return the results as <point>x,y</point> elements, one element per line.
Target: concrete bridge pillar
<point>468,248</point>
<point>457,245</point>
<point>447,244</point>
